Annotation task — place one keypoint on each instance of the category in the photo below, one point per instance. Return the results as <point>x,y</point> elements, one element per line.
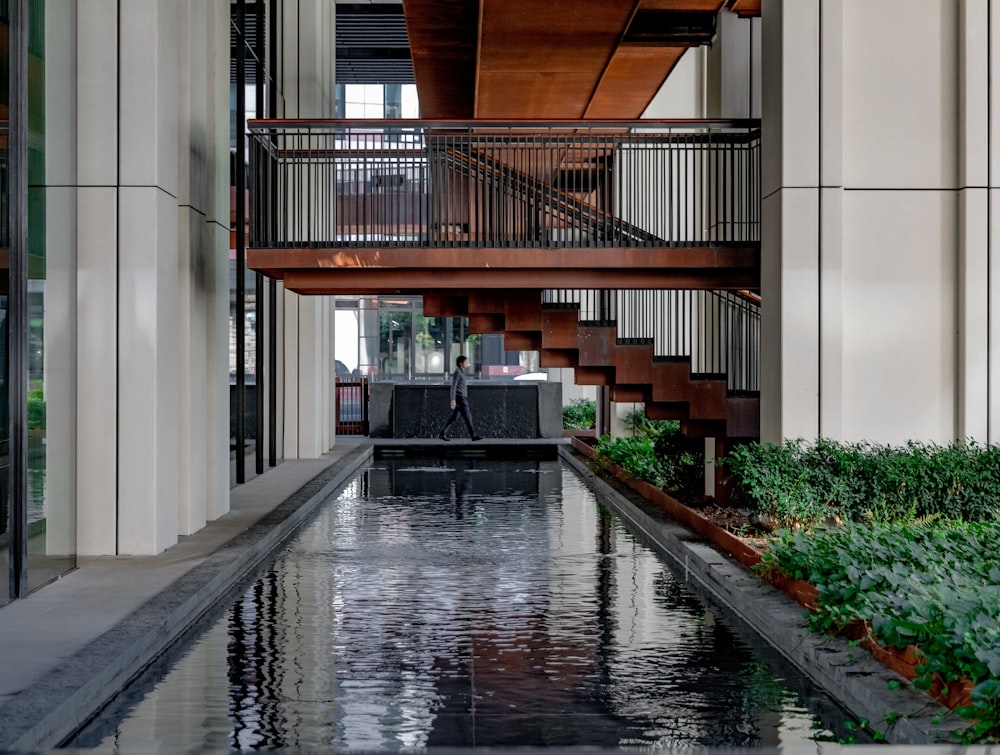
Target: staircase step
<point>625,394</point>
<point>557,358</point>
<point>521,341</point>
<point>486,301</point>
<point>666,386</point>
<point>445,305</point>
<point>560,329</point>
<point>486,323</point>
<point>523,311</point>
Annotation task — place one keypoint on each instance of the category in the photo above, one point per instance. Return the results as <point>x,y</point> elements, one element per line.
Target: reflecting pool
<point>464,602</point>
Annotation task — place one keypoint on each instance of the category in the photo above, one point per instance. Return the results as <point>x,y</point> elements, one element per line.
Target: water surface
<point>464,602</point>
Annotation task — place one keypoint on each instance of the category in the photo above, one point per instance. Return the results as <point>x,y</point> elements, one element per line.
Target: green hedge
<point>659,455</point>
<point>933,585</point>
<point>801,484</point>
<point>580,414</point>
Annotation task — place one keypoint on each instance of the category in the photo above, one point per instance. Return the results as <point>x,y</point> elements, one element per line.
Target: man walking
<point>459,401</point>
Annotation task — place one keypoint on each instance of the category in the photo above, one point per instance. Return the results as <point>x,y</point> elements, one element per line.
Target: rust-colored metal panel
<point>437,304</point>
<point>556,358</point>
<point>413,281</point>
<point>443,40</point>
<point>649,259</point>
<point>487,302</point>
<point>745,8</point>
<point>743,417</point>
<point>479,323</point>
<point>523,310</point>
<point>682,5</point>
<point>522,341</point>
<point>543,60</point>
<point>630,393</point>
<point>666,410</point>
<point>560,328</point>
<point>633,77</point>
<point>593,376</point>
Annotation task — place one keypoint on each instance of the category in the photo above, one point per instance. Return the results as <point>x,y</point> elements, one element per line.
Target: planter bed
<point>744,551</point>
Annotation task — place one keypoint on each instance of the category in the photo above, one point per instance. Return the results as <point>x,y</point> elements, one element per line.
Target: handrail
<point>416,123</point>
<point>612,183</point>
<point>717,331</point>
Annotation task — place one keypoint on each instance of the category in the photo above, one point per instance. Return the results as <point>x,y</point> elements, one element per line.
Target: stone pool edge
<point>859,683</point>
<point>45,714</point>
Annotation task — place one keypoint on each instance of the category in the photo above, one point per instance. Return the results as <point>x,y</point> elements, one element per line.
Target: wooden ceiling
<point>552,59</point>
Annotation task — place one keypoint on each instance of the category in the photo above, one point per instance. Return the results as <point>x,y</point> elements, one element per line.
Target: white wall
<point>306,322</point>
<point>139,171</point>
<point>876,247</point>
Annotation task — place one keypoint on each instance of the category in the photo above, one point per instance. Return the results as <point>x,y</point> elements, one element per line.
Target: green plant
<point>638,423</point>
<point>927,584</point>
<point>662,457</point>
<point>580,414</point>
<point>800,484</point>
<point>36,409</point>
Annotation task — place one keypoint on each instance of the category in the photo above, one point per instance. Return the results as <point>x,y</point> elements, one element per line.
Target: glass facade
<point>41,519</point>
<point>388,338</point>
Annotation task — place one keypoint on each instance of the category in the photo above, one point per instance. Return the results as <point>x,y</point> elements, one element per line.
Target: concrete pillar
<point>874,241</point>
<point>146,194</point>
<point>96,108</point>
<point>202,245</point>
<point>215,230</point>
<point>307,373</point>
<point>790,219</point>
<point>60,285</point>
<point>974,215</point>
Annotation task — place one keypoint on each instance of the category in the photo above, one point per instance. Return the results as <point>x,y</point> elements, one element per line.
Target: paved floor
<point>79,639</point>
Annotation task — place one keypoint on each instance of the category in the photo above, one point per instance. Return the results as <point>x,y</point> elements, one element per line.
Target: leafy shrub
<point>801,484</point>
<point>927,584</point>
<point>638,423</point>
<point>661,456</point>
<point>36,409</point>
<point>580,414</point>
<point>682,461</point>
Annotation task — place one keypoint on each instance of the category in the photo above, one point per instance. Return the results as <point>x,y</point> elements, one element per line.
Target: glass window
<point>395,333</point>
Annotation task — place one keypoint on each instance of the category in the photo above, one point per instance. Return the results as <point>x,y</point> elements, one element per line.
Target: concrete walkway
<point>66,649</point>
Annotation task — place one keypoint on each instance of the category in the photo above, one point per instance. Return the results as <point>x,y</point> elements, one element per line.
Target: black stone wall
<point>499,410</point>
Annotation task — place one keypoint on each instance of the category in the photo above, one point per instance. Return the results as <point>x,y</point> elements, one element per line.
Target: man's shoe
<point>442,436</point>
<point>477,437</point>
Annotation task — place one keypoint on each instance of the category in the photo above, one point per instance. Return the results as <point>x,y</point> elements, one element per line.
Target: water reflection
<point>452,602</point>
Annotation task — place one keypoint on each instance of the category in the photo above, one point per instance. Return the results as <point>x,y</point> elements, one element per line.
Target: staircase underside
<point>364,271</point>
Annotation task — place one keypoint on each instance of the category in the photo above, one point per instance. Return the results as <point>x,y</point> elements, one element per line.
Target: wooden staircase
<point>701,403</point>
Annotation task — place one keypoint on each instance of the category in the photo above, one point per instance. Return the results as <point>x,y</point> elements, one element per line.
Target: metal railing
<point>351,405</point>
<point>718,331</point>
<point>525,184</point>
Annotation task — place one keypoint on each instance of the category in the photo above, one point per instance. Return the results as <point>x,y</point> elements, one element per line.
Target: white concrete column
<point>59,285</point>
<point>863,242</point>
<point>216,262</point>
<point>973,220</point>
<point>992,410</point>
<point>306,427</point>
<point>790,219</point>
<point>831,222</point>
<point>97,275</point>
<point>148,308</point>
<point>192,200</point>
